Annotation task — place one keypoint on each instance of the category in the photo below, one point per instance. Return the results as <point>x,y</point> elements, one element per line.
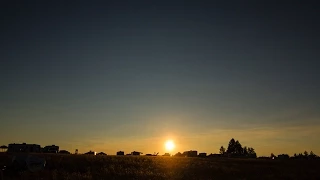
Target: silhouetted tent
<point>3,148</point>
<point>101,153</point>
<point>136,153</point>
<point>120,153</point>
<point>90,153</point>
<point>64,152</point>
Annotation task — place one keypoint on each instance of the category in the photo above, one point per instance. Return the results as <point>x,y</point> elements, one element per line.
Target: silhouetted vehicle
<point>136,153</point>
<point>34,148</point>
<point>216,155</point>
<point>166,154</point>
<point>190,153</point>
<point>101,154</point>
<point>283,156</point>
<point>64,152</point>
<point>120,153</point>
<point>51,149</point>
<point>154,154</point>
<point>202,155</point>
<point>90,153</point>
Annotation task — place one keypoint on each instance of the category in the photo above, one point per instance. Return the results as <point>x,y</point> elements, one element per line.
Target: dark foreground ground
<point>128,167</point>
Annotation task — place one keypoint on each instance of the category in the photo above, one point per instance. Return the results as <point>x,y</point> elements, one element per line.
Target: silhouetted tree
<point>231,147</point>
<point>238,148</point>
<point>222,150</point>
<point>235,149</point>
<point>245,151</point>
<point>251,152</point>
<point>305,155</point>
<point>312,155</point>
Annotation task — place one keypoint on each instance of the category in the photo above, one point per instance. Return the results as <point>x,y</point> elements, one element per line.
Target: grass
<point>143,167</point>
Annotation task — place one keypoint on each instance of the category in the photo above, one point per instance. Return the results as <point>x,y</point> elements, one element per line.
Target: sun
<point>169,145</point>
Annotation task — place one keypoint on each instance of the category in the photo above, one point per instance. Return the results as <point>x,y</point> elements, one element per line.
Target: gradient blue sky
<point>128,75</point>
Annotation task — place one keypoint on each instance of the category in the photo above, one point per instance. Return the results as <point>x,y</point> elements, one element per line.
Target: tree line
<point>304,155</point>
<point>235,149</point>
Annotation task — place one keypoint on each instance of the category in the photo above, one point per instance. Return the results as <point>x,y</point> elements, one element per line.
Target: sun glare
<point>169,145</point>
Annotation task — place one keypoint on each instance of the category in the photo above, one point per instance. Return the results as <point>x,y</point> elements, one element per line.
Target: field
<point>143,167</point>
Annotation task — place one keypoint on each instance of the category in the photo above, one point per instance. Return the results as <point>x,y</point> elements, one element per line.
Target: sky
<point>129,75</point>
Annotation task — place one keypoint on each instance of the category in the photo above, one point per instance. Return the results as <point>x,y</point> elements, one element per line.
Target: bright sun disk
<point>169,145</point>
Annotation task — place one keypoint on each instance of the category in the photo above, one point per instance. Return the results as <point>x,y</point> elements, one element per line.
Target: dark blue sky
<point>115,70</point>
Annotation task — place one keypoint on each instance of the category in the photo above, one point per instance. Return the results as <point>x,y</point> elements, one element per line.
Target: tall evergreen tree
<point>238,148</point>
<point>231,146</point>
